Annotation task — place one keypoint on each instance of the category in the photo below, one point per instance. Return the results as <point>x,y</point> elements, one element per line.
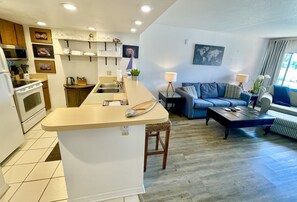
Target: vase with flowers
<point>257,84</point>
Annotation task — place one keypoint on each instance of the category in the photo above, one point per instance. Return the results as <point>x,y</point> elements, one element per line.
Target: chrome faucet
<point>119,83</point>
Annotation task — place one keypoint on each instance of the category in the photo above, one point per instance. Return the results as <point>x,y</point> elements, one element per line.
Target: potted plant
<point>135,73</point>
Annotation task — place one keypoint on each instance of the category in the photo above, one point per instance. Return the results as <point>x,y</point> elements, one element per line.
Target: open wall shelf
<point>116,46</point>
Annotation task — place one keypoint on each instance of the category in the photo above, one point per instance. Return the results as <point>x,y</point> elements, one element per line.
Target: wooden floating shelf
<point>90,41</point>
<point>90,56</point>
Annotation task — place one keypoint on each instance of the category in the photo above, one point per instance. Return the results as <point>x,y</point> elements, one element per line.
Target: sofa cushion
<point>202,104</point>
<point>191,91</point>
<point>197,87</point>
<point>232,91</point>
<point>235,102</point>
<point>281,95</point>
<point>221,89</point>
<point>218,102</point>
<point>284,109</point>
<point>209,90</point>
<point>293,97</point>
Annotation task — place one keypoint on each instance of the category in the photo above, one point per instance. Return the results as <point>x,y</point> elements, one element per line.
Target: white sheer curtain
<point>273,58</point>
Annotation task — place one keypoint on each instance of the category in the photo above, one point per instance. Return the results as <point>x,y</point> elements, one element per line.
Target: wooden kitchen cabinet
<point>12,33</point>
<point>76,94</point>
<point>20,36</point>
<point>7,33</point>
<point>46,95</point>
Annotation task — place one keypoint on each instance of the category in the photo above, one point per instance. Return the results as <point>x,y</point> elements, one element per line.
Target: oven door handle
<point>29,89</point>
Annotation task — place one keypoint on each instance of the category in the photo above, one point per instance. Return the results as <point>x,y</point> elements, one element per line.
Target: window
<point>288,72</point>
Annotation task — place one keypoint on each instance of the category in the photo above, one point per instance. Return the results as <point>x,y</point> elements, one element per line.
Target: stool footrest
<point>155,152</point>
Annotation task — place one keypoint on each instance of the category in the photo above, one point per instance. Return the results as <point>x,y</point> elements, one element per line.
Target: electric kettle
<point>70,81</point>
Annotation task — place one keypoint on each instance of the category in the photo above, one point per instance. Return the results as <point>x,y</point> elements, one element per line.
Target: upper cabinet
<point>19,30</point>
<point>12,33</point>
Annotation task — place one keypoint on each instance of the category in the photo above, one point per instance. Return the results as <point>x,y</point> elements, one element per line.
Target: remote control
<point>232,109</point>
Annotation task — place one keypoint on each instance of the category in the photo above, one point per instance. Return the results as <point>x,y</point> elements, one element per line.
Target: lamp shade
<point>242,78</point>
<point>170,76</point>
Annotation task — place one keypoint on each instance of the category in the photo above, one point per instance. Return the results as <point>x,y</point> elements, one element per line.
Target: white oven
<point>30,104</point>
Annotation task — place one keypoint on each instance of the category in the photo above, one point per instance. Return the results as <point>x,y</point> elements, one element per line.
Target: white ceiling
<point>260,18</point>
<point>104,15</point>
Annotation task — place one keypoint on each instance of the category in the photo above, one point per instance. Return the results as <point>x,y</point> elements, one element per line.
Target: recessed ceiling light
<point>69,7</point>
<point>146,8</point>
<point>133,30</point>
<point>91,28</point>
<point>138,22</point>
<point>41,23</point>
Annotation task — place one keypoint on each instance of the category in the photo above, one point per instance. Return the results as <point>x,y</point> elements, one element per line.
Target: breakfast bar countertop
<point>89,116</point>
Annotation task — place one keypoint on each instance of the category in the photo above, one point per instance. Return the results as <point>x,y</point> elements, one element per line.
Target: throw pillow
<point>293,97</point>
<point>209,90</point>
<point>191,91</point>
<point>197,87</point>
<point>221,89</point>
<point>281,95</point>
<point>232,91</point>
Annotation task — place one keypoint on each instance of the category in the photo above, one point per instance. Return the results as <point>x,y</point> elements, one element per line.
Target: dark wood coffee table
<point>246,117</point>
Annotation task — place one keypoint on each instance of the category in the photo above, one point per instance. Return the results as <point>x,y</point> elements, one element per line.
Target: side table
<point>171,97</point>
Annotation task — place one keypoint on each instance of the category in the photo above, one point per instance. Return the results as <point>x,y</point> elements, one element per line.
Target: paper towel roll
<point>119,75</point>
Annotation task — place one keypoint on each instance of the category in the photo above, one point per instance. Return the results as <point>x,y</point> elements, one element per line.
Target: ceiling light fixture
<point>69,7</point>
<point>146,8</point>
<point>91,28</point>
<point>138,22</point>
<point>41,23</point>
<point>133,30</point>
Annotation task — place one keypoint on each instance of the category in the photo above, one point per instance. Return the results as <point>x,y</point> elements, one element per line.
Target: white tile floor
<point>31,178</point>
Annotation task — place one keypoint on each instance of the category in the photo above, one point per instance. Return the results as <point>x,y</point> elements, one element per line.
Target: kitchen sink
<point>108,90</point>
<point>109,85</point>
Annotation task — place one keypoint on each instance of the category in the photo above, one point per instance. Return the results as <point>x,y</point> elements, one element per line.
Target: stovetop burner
<point>19,83</point>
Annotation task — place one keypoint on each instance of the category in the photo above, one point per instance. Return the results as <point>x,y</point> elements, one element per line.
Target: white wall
<point>78,66</point>
<point>163,48</point>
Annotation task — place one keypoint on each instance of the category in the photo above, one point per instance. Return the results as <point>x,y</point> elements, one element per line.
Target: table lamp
<point>170,77</point>
<point>242,78</point>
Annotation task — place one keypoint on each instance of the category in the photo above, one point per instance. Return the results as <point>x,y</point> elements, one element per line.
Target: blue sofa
<point>209,95</point>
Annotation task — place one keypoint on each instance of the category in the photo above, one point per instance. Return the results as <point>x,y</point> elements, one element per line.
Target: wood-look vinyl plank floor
<point>201,166</point>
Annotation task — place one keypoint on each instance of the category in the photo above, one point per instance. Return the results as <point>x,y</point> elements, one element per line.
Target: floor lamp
<point>170,77</point>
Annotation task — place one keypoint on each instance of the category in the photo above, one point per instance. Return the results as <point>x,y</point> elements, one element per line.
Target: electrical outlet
<point>125,130</point>
<point>109,72</point>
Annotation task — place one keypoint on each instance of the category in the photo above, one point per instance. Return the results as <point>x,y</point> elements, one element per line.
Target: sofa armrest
<point>245,97</point>
<point>266,101</point>
<point>189,104</point>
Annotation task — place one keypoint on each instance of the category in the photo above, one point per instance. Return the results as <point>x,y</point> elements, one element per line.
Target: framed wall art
<point>45,66</point>
<point>129,50</point>
<point>40,35</point>
<point>208,55</point>
<point>43,51</point>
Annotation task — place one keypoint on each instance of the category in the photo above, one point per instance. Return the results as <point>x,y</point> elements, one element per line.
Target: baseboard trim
<point>110,195</point>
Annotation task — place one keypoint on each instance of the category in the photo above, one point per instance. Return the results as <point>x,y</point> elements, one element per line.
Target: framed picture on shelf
<point>43,51</point>
<point>208,55</point>
<point>40,35</point>
<point>129,50</point>
<point>45,66</point>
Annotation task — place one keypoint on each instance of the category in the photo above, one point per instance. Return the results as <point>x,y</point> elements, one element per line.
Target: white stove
<point>30,102</point>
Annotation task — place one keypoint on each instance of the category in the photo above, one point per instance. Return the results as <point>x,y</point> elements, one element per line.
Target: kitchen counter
<point>103,151</point>
<point>93,115</point>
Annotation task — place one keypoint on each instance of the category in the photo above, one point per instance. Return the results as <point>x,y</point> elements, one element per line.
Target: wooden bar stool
<point>153,130</point>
